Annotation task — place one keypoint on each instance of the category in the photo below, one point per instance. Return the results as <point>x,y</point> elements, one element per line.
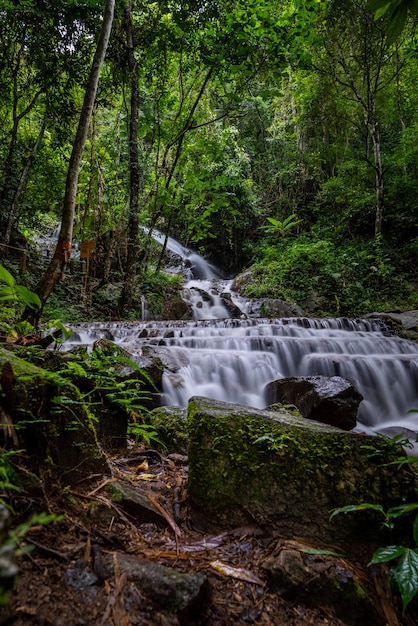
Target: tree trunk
<point>374,131</point>
<point>126,298</point>
<point>63,249</point>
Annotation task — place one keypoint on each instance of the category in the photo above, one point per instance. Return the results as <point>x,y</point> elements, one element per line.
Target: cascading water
<point>204,284</point>
<point>233,359</point>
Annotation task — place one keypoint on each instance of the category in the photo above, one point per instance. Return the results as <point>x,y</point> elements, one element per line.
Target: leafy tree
<point>63,248</point>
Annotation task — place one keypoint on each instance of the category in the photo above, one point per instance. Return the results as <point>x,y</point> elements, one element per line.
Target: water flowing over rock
<point>233,360</point>
<point>331,400</point>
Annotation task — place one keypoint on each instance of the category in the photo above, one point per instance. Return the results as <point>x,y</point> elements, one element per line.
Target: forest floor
<point>75,574</point>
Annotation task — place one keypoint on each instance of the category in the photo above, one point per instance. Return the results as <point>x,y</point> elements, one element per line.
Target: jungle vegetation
<point>281,136</point>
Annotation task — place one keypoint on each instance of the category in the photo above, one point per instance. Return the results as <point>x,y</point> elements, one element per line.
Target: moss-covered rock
<point>52,423</point>
<point>288,472</point>
<point>170,423</point>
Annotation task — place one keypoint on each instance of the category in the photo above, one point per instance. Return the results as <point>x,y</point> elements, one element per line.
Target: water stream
<point>233,359</point>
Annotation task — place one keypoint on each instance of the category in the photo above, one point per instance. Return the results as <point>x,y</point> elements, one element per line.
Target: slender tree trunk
<point>127,295</point>
<point>374,133</point>
<point>379,182</point>
<point>63,249</point>
<point>22,182</point>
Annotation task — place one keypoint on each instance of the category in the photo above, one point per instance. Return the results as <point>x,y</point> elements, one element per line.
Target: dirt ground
<point>74,574</point>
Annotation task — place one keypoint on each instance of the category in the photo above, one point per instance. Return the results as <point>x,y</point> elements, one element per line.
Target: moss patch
<point>284,470</point>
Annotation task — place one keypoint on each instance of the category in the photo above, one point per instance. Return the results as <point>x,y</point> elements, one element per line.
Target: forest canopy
<point>281,134</point>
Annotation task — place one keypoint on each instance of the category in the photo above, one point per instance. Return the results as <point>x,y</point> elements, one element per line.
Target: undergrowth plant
<point>404,559</point>
<point>17,297</point>
<point>100,381</point>
<point>13,542</point>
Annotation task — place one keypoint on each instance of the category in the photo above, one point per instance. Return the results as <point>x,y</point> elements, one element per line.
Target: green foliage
<point>12,539</point>
<point>406,568</point>
<point>144,433</point>
<point>20,294</point>
<point>398,13</point>
<point>348,279</point>
<point>103,384</point>
<point>282,228</point>
<point>9,479</point>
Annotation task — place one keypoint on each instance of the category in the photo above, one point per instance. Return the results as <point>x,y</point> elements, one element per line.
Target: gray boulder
<point>330,400</point>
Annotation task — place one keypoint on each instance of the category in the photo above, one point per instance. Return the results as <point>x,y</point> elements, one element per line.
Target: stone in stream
<point>288,473</point>
<point>331,400</point>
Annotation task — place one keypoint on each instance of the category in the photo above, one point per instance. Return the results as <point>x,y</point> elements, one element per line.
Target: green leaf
<point>7,293</point>
<point>397,23</point>
<point>350,508</point>
<point>407,576</point>
<point>28,297</point>
<point>397,511</point>
<point>76,368</point>
<point>388,553</point>
<point>6,277</point>
<point>380,12</point>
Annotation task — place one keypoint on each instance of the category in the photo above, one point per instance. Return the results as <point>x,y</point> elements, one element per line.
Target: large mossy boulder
<point>288,473</point>
<point>52,423</point>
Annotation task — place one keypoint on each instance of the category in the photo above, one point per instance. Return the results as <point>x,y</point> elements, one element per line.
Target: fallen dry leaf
<point>236,572</point>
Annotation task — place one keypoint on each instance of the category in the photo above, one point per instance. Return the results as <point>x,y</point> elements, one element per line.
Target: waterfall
<point>204,284</point>
<point>234,359</point>
<point>196,267</point>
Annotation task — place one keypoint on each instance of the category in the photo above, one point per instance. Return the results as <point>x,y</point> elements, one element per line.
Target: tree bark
<point>127,295</point>
<point>375,135</point>
<point>63,248</point>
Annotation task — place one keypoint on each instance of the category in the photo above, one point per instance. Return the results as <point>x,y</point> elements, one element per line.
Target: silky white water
<point>233,359</point>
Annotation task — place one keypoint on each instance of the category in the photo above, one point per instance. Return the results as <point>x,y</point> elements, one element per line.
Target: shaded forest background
<point>281,136</point>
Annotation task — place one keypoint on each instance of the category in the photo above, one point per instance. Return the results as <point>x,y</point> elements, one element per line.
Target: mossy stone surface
<point>170,423</point>
<point>287,472</point>
<point>53,425</point>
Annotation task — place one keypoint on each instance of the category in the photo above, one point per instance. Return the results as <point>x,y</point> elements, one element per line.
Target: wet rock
<point>273,307</point>
<point>170,360</point>
<point>331,400</point>
<point>322,580</point>
<point>176,309</point>
<point>288,473</point>
<point>232,308</point>
<point>164,587</point>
